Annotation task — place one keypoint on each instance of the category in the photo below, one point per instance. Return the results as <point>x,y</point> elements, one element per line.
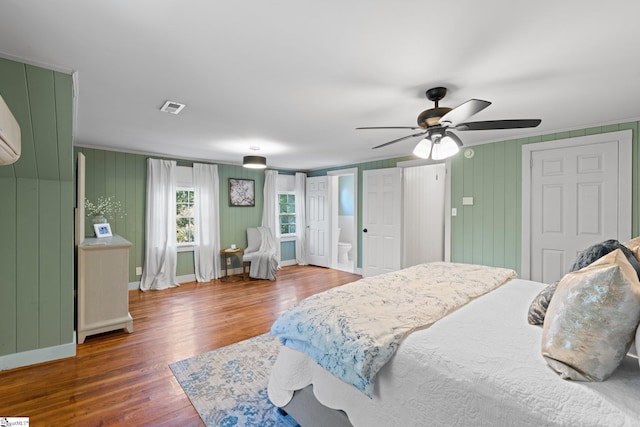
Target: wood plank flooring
<point>124,379</point>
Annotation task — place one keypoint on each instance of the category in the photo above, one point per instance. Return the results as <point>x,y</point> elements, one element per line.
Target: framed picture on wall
<point>242,192</point>
<point>102,230</point>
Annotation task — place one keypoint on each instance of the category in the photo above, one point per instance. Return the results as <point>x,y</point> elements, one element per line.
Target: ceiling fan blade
<point>499,124</point>
<point>463,112</point>
<point>390,127</point>
<point>399,139</point>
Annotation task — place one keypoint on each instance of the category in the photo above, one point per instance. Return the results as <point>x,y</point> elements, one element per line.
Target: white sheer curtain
<point>270,214</point>
<point>206,216</point>
<point>161,249</point>
<point>301,218</point>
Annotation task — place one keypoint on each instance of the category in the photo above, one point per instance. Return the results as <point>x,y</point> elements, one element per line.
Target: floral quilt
<point>353,330</point>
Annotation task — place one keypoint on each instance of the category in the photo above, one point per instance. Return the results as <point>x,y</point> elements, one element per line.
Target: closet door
<point>423,214</point>
<point>579,195</point>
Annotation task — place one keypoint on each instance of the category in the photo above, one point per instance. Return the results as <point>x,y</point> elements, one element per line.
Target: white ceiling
<point>297,77</point>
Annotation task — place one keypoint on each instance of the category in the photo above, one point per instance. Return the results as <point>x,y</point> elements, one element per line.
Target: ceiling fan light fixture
<point>254,162</point>
<point>446,148</point>
<point>423,148</point>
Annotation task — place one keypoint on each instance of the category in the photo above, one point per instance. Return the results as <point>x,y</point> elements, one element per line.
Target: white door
<point>381,221</point>
<point>318,220</point>
<point>576,196</point>
<point>423,214</point>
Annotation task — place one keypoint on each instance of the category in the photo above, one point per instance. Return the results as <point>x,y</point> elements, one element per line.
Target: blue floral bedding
<point>353,330</point>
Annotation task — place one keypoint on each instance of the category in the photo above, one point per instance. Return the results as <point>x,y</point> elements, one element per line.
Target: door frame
<point>625,184</point>
<point>334,175</point>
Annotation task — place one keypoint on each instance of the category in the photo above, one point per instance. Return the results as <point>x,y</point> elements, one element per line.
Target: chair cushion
<point>253,240</point>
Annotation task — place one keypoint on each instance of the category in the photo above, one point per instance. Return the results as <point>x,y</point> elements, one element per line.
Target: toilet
<point>343,250</point>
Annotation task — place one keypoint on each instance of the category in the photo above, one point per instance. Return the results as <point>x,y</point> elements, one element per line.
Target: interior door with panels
<point>579,194</point>
<point>381,221</point>
<point>318,221</point>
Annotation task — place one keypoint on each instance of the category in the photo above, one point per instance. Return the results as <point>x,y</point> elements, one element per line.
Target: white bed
<point>479,366</point>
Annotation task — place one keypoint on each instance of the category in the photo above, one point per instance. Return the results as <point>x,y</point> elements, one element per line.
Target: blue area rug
<point>228,386</point>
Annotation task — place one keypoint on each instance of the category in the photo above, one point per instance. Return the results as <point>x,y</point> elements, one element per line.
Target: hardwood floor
<point>124,379</point>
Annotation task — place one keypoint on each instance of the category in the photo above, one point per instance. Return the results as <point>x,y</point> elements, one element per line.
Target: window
<point>184,216</point>
<point>287,206</point>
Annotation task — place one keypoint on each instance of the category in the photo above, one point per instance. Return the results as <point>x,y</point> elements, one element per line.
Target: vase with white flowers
<point>103,209</point>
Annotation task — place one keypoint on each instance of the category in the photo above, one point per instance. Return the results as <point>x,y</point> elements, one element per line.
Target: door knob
<point>365,230</point>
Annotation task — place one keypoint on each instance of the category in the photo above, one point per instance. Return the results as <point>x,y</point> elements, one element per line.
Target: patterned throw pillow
<point>592,319</point>
<point>539,305</point>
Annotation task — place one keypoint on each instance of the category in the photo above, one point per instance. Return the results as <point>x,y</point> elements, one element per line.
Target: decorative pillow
<point>592,319</point>
<point>539,305</point>
<point>597,251</point>
<point>634,247</point>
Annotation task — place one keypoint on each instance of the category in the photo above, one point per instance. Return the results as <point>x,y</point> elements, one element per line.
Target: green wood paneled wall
<point>36,213</point>
<point>121,176</point>
<point>489,231</point>
<point>124,176</point>
<point>288,250</point>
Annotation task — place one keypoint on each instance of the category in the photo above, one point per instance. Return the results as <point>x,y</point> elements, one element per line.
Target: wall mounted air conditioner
<point>9,136</point>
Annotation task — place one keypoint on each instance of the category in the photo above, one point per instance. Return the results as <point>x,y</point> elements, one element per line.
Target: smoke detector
<point>172,107</point>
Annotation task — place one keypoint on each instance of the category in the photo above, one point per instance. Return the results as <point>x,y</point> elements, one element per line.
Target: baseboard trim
<point>186,278</point>
<point>180,279</point>
<point>40,355</point>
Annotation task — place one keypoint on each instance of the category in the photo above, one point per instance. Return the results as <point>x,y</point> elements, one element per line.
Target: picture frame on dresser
<point>102,230</point>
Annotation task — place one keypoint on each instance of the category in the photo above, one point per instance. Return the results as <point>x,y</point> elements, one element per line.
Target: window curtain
<point>270,212</point>
<point>301,218</point>
<point>161,254</point>
<point>206,217</point>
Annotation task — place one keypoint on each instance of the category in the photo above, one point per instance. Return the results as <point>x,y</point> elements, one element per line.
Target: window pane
<point>184,230</point>
<point>291,198</point>
<point>282,198</point>
<point>184,212</point>
<point>182,196</point>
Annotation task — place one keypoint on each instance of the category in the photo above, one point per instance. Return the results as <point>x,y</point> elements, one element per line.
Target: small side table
<point>226,254</point>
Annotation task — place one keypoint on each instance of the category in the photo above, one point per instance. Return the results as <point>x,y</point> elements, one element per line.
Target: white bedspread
<point>479,366</point>
<point>353,330</point>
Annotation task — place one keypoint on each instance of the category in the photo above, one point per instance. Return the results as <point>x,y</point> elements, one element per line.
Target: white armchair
<point>260,253</point>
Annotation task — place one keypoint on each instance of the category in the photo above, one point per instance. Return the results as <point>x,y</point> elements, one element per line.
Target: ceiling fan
<point>436,123</point>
